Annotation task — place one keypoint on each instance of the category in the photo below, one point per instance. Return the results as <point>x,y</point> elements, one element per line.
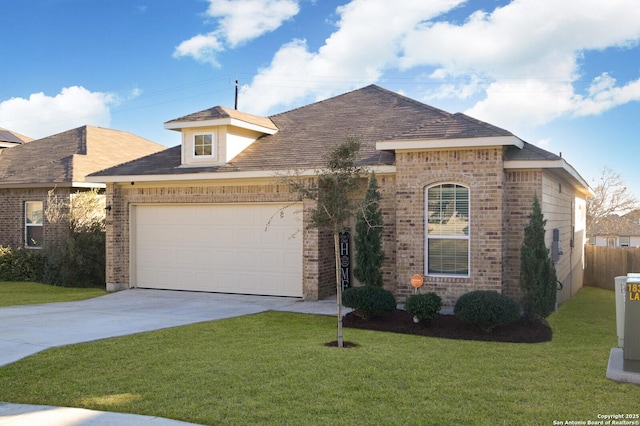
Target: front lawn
<point>273,368</point>
<point>30,293</point>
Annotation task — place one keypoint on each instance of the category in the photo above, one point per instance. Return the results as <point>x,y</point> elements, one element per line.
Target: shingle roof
<point>454,126</point>
<point>305,134</point>
<point>70,156</point>
<point>219,112</point>
<point>529,153</point>
<point>7,135</point>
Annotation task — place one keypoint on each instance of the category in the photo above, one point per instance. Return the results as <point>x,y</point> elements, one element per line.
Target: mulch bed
<point>452,327</point>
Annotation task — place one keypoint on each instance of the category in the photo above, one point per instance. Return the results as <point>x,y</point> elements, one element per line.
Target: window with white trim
<point>447,225</point>
<point>203,145</point>
<point>33,224</point>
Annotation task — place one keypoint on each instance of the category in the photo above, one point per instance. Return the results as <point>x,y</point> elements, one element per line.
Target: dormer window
<point>215,136</point>
<point>203,145</point>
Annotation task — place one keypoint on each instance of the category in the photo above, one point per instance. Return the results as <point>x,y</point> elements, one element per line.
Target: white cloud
<point>366,43</point>
<point>41,115</point>
<point>202,48</point>
<point>528,55</point>
<point>243,20</point>
<point>239,21</point>
<point>604,95</point>
<point>521,63</point>
<point>523,103</point>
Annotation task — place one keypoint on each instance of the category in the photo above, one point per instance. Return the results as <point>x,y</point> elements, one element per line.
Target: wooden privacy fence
<point>604,264</point>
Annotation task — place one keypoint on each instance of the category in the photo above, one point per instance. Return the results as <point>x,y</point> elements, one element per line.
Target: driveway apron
<point>25,330</point>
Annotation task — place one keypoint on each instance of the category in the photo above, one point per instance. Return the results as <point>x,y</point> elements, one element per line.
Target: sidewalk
<point>42,415</point>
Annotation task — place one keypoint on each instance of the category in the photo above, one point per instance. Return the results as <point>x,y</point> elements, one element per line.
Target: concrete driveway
<point>25,330</point>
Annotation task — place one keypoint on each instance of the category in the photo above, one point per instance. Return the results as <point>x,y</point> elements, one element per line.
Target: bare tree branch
<point>612,197</point>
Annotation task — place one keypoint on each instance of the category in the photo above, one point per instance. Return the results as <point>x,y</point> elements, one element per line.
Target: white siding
<point>566,211</point>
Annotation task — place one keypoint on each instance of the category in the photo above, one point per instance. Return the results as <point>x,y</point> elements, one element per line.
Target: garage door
<point>218,248</point>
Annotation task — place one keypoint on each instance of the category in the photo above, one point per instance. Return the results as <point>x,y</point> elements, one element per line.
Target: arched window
<point>447,225</point>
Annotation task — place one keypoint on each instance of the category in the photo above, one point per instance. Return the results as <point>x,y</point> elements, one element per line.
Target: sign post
<point>345,260</point>
<point>416,282</point>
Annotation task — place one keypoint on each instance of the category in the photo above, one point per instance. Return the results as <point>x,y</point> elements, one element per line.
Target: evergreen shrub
<point>424,306</point>
<point>21,264</point>
<point>368,301</point>
<point>486,309</point>
<point>368,238</point>
<point>80,262</point>
<point>538,277</point>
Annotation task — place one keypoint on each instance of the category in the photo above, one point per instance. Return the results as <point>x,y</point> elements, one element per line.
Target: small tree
<point>80,259</point>
<point>368,238</point>
<point>333,191</point>
<point>84,212</point>
<point>537,272</point>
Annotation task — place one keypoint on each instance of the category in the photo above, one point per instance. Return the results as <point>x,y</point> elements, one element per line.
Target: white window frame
<point>465,237</point>
<point>28,224</point>
<point>213,145</point>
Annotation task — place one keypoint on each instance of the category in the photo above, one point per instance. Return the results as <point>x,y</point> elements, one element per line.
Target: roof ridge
<point>410,100</point>
<point>316,103</point>
<point>368,87</point>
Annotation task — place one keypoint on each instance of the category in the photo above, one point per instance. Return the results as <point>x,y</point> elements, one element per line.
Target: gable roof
<point>9,138</point>
<point>66,158</point>
<point>217,114</point>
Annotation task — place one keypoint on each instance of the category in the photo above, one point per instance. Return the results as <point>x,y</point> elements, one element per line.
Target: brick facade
<point>12,216</point>
<point>411,147</point>
<point>481,171</point>
<point>520,188</point>
<point>318,278</point>
<point>500,204</point>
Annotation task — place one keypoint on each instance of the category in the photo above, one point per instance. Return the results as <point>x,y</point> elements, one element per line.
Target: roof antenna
<point>236,103</point>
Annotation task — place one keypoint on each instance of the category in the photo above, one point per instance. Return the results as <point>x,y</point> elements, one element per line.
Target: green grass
<point>30,293</point>
<point>273,368</point>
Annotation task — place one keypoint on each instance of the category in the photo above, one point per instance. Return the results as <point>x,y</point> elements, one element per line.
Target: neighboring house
<point>456,196</point>
<point>616,231</point>
<point>59,162</point>
<point>9,139</point>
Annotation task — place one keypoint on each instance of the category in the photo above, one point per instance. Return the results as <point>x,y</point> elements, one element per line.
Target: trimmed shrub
<point>423,306</point>
<point>21,264</point>
<point>486,309</point>
<point>368,301</point>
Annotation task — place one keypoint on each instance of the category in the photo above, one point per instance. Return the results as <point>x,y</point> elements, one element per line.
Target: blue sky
<point>563,75</point>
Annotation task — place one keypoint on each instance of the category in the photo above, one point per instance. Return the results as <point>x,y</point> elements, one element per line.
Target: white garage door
<point>218,248</point>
